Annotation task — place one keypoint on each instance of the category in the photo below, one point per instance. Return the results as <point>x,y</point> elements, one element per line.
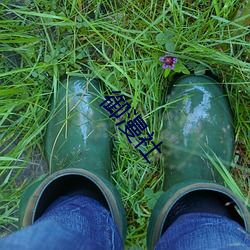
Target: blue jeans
<point>204,231</point>
<point>76,222</point>
<point>80,222</point>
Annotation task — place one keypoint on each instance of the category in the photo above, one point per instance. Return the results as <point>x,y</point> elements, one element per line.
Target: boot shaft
<point>79,132</point>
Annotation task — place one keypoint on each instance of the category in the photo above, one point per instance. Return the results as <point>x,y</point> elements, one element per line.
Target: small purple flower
<point>168,61</point>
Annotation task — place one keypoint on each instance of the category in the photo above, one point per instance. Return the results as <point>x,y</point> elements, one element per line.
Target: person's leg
<point>79,155</point>
<point>204,231</point>
<point>198,137</point>
<point>71,222</point>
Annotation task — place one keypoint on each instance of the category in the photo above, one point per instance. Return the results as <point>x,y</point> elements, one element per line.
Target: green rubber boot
<point>197,124</point>
<point>78,149</point>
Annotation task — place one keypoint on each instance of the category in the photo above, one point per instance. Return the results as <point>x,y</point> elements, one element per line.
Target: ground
<point>119,42</point>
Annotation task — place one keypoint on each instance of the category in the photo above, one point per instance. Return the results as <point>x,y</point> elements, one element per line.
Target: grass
<point>119,43</point>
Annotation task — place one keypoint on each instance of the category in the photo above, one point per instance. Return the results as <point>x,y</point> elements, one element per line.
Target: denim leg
<point>204,231</point>
<point>76,222</point>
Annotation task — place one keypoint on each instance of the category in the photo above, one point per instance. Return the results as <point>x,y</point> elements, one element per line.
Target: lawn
<point>120,43</point>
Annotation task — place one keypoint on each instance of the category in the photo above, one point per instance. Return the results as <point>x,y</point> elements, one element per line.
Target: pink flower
<point>168,61</point>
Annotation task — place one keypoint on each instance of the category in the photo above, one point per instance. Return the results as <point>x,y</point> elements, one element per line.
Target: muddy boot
<point>197,126</point>
<point>78,149</point>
